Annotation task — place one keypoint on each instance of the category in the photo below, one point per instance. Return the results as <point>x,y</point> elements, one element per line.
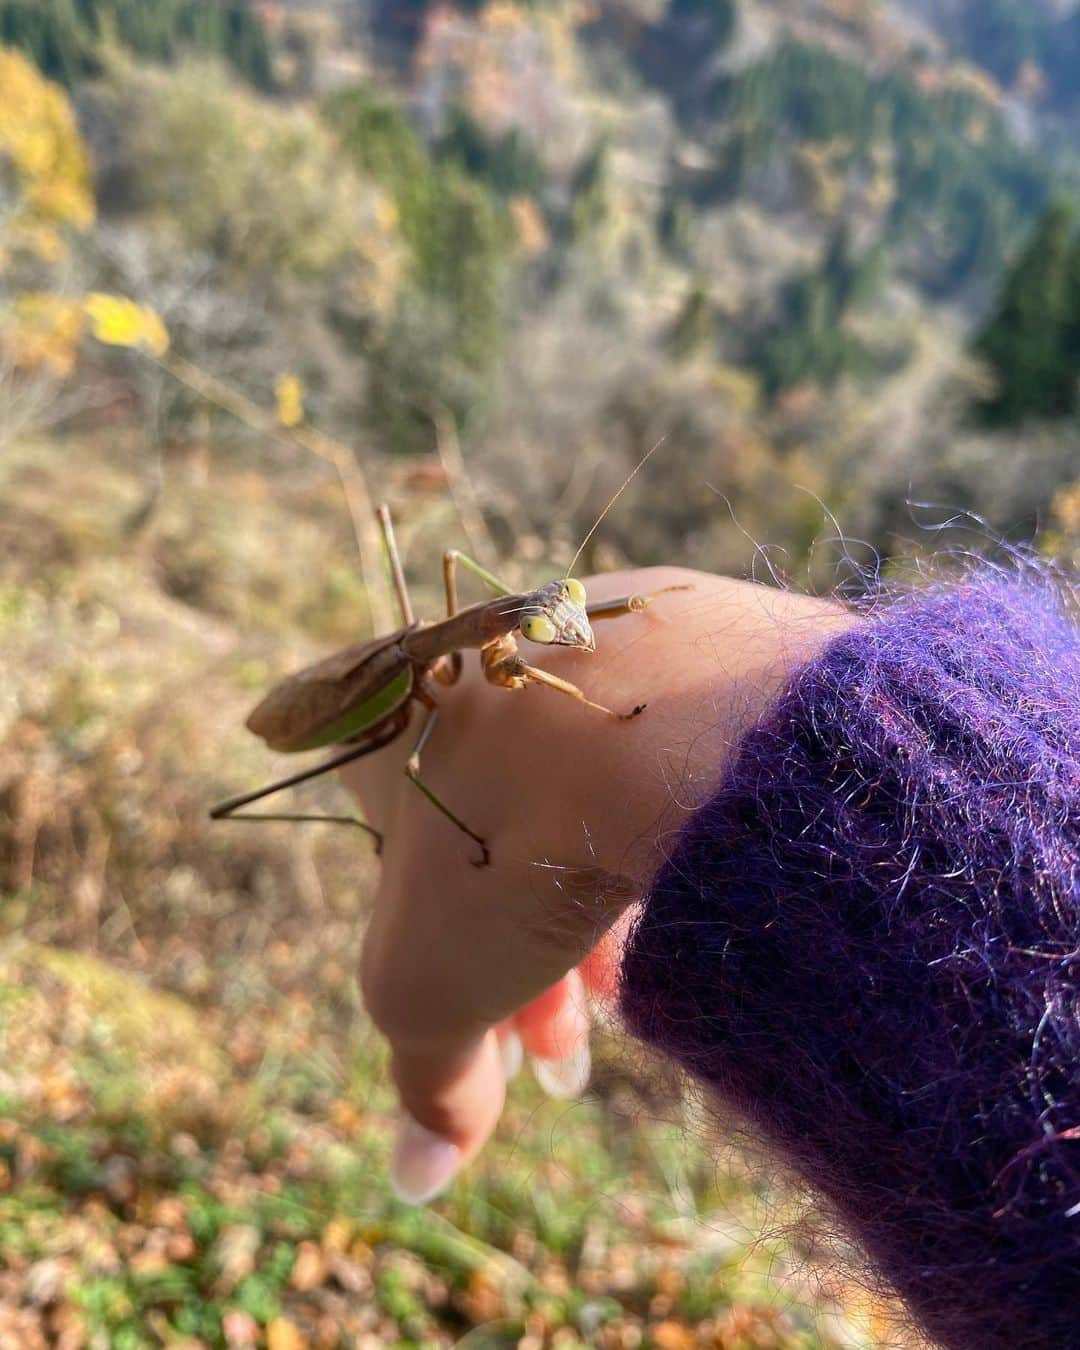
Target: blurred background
<point>264,264</point>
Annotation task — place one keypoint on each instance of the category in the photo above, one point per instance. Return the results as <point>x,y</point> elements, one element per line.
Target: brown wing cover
<point>317,695</point>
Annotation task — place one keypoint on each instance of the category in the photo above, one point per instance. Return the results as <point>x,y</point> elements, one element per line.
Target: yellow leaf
<point>309,1269</point>
<point>155,334</point>
<point>115,320</point>
<point>282,1334</point>
<point>672,1335</point>
<point>290,400</point>
<point>337,1234</point>
<point>120,322</point>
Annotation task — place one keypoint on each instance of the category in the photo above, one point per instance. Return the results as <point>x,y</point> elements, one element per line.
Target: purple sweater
<point>867,942</point>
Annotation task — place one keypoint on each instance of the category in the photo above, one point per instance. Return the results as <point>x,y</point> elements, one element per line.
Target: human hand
<point>575,807</point>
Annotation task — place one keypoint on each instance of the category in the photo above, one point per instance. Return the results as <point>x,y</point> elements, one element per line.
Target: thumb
<point>451,1099</point>
<point>452,1096</point>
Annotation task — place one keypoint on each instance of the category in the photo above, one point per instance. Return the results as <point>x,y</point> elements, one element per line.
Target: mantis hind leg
<point>230,809</point>
<point>412,772</point>
<point>397,572</point>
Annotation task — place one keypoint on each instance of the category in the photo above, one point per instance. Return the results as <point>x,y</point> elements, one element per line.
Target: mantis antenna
<point>612,500</point>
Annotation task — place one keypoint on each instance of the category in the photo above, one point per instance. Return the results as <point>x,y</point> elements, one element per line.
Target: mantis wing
<point>350,691</point>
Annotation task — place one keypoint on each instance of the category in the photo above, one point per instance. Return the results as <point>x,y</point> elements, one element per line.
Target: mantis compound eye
<point>538,628</point>
<point>575,590</point>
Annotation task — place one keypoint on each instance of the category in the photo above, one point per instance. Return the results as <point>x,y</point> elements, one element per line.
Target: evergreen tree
<point>509,163</point>
<point>589,191</point>
<point>246,47</point>
<point>849,280</point>
<point>675,52</point>
<point>810,342</point>
<point>460,264</point>
<point>52,34</point>
<point>397,26</point>
<point>1032,340</point>
<point>448,327</point>
<point>64,37</point>
<point>970,196</point>
<point>379,138</point>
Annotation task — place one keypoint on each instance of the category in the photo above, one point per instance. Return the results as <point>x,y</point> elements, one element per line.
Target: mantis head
<point>557,616</point>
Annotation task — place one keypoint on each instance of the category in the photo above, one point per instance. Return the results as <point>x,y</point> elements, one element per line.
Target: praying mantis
<point>362,697</point>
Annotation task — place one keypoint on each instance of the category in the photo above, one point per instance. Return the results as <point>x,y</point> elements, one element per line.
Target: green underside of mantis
<point>367,714</point>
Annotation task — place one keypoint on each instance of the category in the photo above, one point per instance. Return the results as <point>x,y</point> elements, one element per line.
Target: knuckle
<point>583,904</point>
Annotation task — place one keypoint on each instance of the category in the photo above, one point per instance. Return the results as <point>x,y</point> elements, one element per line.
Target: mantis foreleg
<point>534,675</point>
<point>602,609</point>
<point>504,666</point>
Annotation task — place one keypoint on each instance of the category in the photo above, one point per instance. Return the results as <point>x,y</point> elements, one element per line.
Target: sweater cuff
<point>867,942</point>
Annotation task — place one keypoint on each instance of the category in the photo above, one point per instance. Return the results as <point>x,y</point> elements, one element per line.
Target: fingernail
<point>423,1163</point>
<point>512,1053</point>
<point>565,1078</point>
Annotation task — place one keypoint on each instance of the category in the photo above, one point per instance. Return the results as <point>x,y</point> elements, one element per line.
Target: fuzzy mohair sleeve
<point>867,943</point>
